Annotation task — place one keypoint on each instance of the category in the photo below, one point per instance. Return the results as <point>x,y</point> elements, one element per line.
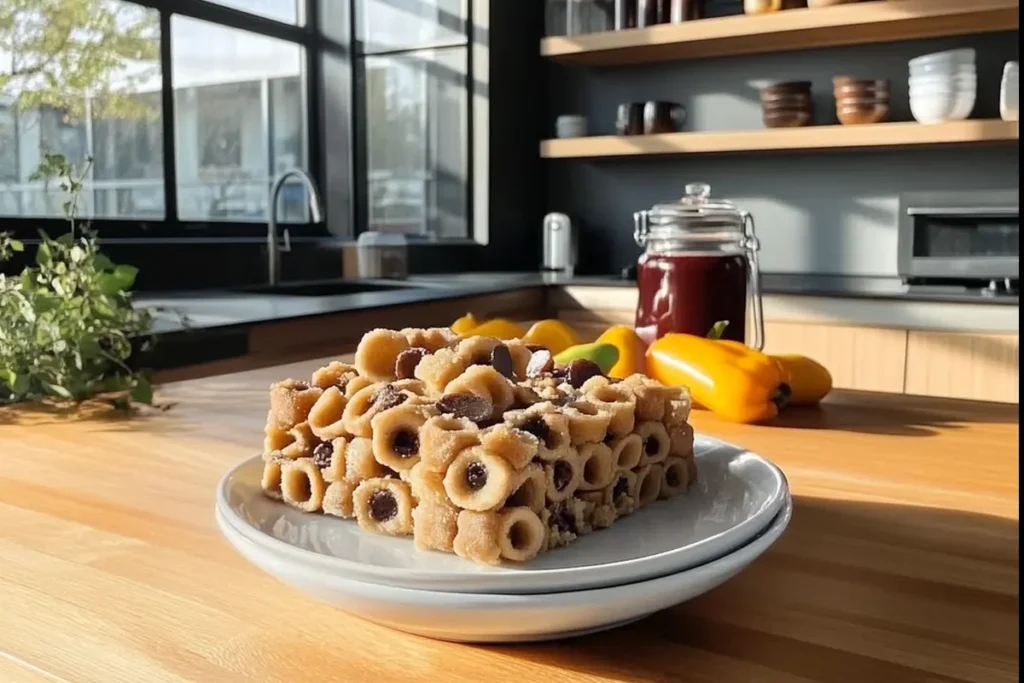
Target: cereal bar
<point>478,447</point>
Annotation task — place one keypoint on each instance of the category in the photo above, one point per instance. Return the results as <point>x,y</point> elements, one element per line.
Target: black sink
<point>326,288</point>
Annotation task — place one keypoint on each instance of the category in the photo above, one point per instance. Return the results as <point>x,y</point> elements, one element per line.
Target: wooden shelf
<point>852,24</point>
<point>784,139</point>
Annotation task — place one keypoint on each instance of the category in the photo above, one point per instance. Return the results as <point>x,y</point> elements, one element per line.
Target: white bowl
<point>943,69</point>
<point>938,107</point>
<point>948,57</point>
<point>482,618</point>
<point>948,81</point>
<point>737,494</point>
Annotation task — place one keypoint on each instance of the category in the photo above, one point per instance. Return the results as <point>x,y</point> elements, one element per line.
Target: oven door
<point>959,235</point>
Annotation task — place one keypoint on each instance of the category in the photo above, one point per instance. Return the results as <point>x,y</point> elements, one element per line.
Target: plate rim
<point>775,529</point>
<point>382,574</point>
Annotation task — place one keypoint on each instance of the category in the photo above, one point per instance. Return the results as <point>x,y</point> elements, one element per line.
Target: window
<point>416,116</point>
<point>97,97</point>
<point>239,120</point>
<point>235,110</point>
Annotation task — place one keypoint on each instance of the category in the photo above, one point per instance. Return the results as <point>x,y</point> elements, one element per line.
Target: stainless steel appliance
<point>559,243</point>
<point>965,239</point>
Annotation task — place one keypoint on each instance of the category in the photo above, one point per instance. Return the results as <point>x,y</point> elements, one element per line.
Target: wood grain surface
<point>900,564</point>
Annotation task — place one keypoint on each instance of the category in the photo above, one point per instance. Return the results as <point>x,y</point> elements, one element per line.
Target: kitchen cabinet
<point>984,367</point>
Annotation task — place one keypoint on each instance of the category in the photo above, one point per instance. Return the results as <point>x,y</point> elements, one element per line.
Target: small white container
<point>1009,93</point>
<point>571,126</point>
<point>942,69</point>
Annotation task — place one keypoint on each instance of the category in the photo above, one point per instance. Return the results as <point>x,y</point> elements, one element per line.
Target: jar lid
<point>697,209</point>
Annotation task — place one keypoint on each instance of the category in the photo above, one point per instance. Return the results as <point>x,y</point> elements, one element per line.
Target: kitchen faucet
<point>273,249</point>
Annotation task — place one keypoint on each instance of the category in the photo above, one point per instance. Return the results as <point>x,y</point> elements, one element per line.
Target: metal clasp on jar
<point>752,245</point>
<point>640,227</point>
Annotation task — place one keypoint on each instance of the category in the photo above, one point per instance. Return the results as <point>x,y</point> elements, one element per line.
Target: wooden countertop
<point>900,564</point>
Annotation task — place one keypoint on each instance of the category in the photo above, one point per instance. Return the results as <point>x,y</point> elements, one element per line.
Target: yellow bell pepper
<point>732,380</point>
<point>809,380</point>
<point>497,327</point>
<point>465,324</point>
<point>631,350</point>
<point>555,335</point>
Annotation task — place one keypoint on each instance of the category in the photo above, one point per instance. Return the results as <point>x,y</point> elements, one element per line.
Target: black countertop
<point>215,323</point>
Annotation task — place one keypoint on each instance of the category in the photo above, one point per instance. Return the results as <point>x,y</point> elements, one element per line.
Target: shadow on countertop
<point>853,591</point>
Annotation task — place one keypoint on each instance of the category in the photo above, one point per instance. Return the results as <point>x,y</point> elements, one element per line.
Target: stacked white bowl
<point>943,86</point>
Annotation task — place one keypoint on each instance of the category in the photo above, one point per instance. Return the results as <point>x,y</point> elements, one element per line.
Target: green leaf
<point>117,280</point>
<point>43,255</point>
<point>57,390</point>
<point>718,329</point>
<point>101,262</point>
<point>142,392</point>
<point>16,245</point>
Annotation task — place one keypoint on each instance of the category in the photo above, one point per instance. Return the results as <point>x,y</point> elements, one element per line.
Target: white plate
<point>736,496</point>
<point>506,618</point>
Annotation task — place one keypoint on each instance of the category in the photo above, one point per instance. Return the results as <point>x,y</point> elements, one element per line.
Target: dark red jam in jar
<point>699,261</point>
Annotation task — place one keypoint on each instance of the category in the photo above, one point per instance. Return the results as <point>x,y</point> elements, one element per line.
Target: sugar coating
<point>534,466</point>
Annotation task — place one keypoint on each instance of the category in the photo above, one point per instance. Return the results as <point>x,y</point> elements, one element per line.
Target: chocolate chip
<point>559,371</point>
<point>563,520</point>
<point>651,445</point>
<point>322,455</point>
<point>476,476</point>
<point>540,362</point>
<point>387,397</point>
<point>406,443</point>
<point>536,426</point>
<point>501,360</point>
<point>383,506</point>
<point>580,370</point>
<point>471,406</point>
<point>561,474</point>
<point>621,487</point>
<point>405,364</point>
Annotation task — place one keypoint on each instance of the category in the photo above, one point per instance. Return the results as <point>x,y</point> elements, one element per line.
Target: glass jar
<point>700,257</point>
<point>590,16</point>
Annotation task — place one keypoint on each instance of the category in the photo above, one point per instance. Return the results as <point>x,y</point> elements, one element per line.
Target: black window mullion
<point>360,154</point>
<point>167,107</point>
<point>312,87</point>
<point>233,18</point>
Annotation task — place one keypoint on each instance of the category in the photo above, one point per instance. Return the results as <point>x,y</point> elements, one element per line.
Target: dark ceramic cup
<point>630,119</point>
<point>663,117</point>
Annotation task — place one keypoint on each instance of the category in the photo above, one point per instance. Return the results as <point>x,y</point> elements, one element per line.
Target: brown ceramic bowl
<point>854,112</point>
<point>786,102</point>
<point>786,88</point>
<point>846,86</point>
<point>786,118</point>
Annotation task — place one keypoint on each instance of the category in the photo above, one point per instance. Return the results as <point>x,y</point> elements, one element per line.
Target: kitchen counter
<point>900,563</point>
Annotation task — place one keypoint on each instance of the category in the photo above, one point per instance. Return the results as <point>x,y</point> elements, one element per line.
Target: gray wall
<point>830,212</point>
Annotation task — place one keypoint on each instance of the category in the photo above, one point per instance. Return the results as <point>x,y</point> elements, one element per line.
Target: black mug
<point>630,119</point>
<point>663,117</point>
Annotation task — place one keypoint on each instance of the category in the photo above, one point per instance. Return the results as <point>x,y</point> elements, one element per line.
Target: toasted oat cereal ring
<point>270,482</point>
<point>443,437</point>
<point>376,354</point>
<point>290,402</point>
<point>521,535</point>
<point>563,476</point>
<point>675,477</point>
<point>301,484</point>
<point>516,446</point>
<point>597,466</point>
<point>656,442</point>
<point>440,368</point>
<point>384,506</point>
<point>435,524</point>
<point>334,374</point>
<point>648,484</point>
<point>396,436</point>
<point>619,402</point>
<point>325,417</point>
<point>338,499</point>
<point>477,536</point>
<point>485,382</point>
<point>529,488</point>
<point>587,422</point>
<point>478,480</point>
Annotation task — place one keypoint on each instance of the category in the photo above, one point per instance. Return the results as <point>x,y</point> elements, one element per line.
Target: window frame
<point>334,90</point>
<point>308,36</point>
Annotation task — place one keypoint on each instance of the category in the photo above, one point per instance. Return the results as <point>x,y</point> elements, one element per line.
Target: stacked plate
<point>658,557</point>
<point>943,86</point>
